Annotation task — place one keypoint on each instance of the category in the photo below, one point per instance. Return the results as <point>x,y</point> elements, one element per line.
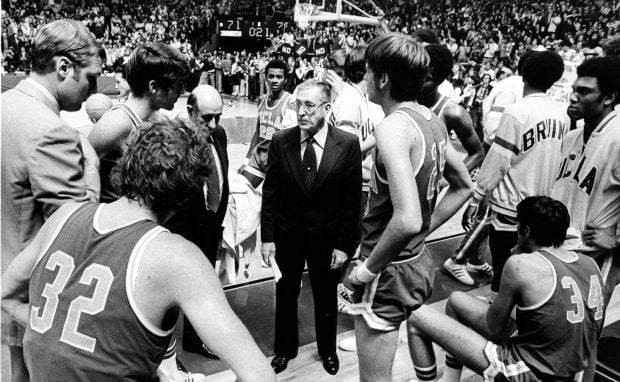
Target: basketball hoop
<point>302,14</point>
<point>306,13</point>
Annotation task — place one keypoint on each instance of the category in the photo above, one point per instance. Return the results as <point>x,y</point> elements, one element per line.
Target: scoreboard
<point>250,28</point>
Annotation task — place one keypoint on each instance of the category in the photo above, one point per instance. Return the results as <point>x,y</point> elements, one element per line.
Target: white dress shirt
<point>319,144</point>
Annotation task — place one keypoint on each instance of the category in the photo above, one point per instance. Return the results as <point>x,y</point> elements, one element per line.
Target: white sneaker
<point>344,299</point>
<point>459,272</point>
<point>347,344</point>
<point>482,268</point>
<point>179,375</point>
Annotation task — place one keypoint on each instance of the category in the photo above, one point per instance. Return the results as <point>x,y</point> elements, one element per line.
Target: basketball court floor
<point>253,296</point>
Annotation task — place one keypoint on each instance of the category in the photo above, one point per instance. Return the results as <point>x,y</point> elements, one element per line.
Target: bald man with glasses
<point>310,213</point>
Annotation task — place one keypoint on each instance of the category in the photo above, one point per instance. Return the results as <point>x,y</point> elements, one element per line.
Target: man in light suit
<point>200,221</point>
<point>310,212</point>
<point>45,163</point>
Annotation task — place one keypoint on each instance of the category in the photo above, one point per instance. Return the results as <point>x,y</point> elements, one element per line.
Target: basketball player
<point>354,113</point>
<point>558,300</point>
<point>456,119</point>
<point>394,274</point>
<point>155,74</point>
<point>274,114</point>
<point>454,116</point>
<point>113,262</point>
<point>522,158</point>
<point>588,180</point>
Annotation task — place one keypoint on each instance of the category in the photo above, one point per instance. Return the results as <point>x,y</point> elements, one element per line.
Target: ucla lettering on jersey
<point>270,120</point>
<point>587,179</point>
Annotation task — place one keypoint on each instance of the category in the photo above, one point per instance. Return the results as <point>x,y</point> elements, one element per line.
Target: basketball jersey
<point>270,120</point>
<point>352,108</point>
<point>588,179</point>
<point>524,156</point>
<point>84,324</point>
<point>439,107</point>
<point>556,336</point>
<point>108,161</point>
<point>429,172</point>
<point>492,108</point>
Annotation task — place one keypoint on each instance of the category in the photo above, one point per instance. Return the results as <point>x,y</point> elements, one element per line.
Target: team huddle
<point>106,239</point>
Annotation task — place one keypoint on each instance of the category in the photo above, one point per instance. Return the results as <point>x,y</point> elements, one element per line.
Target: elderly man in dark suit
<point>200,220</point>
<point>310,212</point>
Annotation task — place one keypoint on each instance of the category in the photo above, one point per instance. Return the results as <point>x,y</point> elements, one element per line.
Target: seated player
<point>559,310</point>
<point>105,282</point>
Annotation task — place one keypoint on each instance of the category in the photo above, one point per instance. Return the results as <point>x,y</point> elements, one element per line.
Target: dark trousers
<point>500,244</point>
<point>476,118</point>
<point>323,281</point>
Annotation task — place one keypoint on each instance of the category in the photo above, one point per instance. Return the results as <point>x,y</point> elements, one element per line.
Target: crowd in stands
<point>486,38</point>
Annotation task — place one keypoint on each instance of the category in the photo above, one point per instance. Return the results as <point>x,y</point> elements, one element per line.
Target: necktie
<point>213,183</point>
<point>309,163</point>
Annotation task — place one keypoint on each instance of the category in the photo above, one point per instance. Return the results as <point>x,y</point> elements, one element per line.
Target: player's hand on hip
<point>350,282</point>
<point>595,236</point>
<point>268,250</point>
<point>468,217</point>
<point>338,259</point>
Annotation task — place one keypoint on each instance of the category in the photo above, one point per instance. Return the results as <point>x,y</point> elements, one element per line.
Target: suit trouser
<point>323,281</point>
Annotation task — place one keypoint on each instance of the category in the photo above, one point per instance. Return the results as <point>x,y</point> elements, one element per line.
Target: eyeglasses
<point>308,107</point>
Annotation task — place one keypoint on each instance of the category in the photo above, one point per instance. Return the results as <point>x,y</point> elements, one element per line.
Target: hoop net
<point>302,14</point>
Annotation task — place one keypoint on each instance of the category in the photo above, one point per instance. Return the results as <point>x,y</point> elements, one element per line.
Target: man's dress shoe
<point>280,362</point>
<point>331,364</point>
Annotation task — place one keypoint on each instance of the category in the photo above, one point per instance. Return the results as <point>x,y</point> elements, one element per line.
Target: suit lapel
<point>331,154</point>
<point>292,149</point>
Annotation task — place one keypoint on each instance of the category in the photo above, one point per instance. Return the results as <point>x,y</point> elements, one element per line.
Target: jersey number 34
<point>42,318</point>
<point>595,299</point>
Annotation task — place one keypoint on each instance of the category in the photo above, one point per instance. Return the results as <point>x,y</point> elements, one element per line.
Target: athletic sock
<point>426,374</point>
<point>453,369</point>
<point>171,352</point>
<point>168,365</point>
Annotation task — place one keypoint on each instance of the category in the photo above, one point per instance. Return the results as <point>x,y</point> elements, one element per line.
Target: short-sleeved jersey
<point>270,120</point>
<point>588,179</point>
<point>525,154</point>
<point>108,161</point>
<point>352,112</point>
<point>84,324</point>
<point>429,171</point>
<point>556,336</point>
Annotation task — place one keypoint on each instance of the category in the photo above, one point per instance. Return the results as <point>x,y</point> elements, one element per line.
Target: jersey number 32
<point>42,318</point>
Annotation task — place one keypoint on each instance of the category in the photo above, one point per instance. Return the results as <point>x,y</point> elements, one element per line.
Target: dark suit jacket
<point>193,221</point>
<point>327,216</point>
